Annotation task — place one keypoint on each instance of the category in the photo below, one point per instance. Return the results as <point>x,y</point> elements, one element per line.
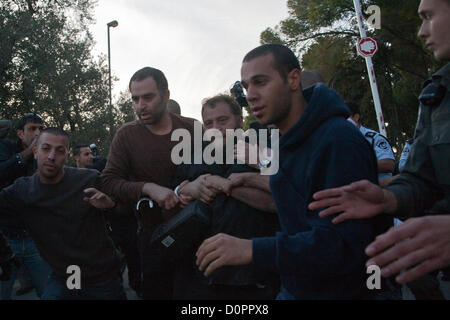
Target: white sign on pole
<point>367,47</point>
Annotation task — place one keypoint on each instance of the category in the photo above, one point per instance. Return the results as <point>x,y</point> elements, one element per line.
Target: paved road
<point>131,295</point>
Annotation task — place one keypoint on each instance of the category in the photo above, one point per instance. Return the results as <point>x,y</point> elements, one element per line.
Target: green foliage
<point>46,67</point>
<point>249,119</point>
<point>325,32</point>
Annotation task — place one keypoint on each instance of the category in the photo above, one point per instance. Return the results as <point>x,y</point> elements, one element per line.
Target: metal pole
<point>371,71</point>
<point>113,24</point>
<point>110,95</point>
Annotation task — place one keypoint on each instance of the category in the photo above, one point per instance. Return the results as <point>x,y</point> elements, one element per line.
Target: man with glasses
<point>16,160</point>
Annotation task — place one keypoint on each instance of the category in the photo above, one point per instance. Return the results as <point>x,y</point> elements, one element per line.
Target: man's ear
<point>240,121</point>
<point>166,96</point>
<point>20,134</point>
<point>294,79</point>
<point>35,151</point>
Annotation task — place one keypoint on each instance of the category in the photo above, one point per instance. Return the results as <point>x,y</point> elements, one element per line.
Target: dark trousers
<point>124,234</point>
<point>190,284</point>
<point>157,271</point>
<point>426,287</point>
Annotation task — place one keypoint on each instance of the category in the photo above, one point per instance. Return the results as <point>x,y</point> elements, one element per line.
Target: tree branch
<point>30,6</point>
<point>320,34</point>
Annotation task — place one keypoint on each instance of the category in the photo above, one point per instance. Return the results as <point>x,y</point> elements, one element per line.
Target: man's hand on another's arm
<point>184,199</point>
<point>219,184</point>
<point>250,179</point>
<point>203,188</point>
<point>165,197</point>
<point>358,200</point>
<point>421,244</point>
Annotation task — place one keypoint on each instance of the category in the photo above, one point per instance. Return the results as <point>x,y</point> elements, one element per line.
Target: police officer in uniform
<point>379,143</point>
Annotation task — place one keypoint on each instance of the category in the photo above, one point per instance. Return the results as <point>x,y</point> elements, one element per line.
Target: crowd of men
<point>308,231</point>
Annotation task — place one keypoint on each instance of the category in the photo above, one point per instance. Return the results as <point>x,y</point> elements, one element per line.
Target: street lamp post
<point>113,24</point>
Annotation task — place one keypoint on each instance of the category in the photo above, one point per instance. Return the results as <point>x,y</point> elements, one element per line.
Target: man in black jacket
<point>241,211</point>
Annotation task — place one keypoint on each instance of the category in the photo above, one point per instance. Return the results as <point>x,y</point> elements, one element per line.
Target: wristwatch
<point>264,164</point>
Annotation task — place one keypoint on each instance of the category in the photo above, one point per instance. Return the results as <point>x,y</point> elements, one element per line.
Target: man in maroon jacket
<point>140,165</point>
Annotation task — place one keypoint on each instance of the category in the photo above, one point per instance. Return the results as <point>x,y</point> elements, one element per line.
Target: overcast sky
<point>198,44</point>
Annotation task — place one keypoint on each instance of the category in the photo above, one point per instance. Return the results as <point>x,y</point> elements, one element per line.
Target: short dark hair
<point>235,108</point>
<point>173,106</point>
<point>27,118</point>
<point>56,132</point>
<point>284,59</point>
<point>354,107</point>
<point>77,148</point>
<point>155,74</point>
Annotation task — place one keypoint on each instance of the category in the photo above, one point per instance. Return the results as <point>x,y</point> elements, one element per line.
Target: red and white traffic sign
<point>367,47</point>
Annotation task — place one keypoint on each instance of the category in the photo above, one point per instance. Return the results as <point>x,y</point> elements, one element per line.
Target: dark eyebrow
<point>424,12</point>
<point>259,76</point>
<point>149,94</point>
<point>49,145</point>
<point>255,77</point>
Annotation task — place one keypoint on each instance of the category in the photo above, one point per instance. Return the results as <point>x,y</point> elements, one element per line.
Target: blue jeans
<point>28,255</point>
<point>56,289</point>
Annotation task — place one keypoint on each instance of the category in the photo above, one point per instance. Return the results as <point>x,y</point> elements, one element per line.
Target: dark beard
<point>281,112</point>
<point>157,115</point>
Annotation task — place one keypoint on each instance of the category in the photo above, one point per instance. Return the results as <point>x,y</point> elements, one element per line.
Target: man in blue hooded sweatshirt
<point>319,149</point>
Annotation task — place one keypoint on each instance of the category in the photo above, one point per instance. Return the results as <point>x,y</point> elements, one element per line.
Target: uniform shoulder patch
<point>382,144</point>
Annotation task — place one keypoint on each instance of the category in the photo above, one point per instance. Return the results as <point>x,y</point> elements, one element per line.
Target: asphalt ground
<point>131,295</point>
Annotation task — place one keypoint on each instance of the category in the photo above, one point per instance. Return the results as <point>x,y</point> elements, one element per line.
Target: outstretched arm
<point>361,199</point>
<point>98,199</point>
<point>254,198</point>
<point>420,244</point>
<point>251,180</point>
<point>253,189</point>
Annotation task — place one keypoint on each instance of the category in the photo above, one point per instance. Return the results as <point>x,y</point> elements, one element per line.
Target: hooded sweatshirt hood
<point>323,103</point>
<point>315,258</point>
